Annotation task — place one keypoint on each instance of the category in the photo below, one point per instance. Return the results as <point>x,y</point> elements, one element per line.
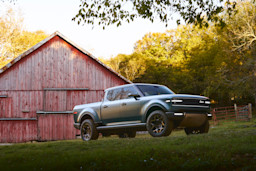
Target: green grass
<point>229,146</point>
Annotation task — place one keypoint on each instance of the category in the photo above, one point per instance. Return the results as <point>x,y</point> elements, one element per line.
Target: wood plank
<point>18,119</point>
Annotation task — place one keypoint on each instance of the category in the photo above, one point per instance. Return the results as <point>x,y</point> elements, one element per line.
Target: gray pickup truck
<point>139,107</point>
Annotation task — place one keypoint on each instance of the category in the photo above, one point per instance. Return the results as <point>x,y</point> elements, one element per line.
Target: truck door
<point>110,108</point>
<point>119,108</point>
<point>130,107</point>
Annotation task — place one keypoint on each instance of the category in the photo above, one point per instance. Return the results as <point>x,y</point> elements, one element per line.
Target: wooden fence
<point>232,113</point>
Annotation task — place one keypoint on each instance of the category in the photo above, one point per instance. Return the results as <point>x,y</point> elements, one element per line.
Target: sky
<point>56,15</point>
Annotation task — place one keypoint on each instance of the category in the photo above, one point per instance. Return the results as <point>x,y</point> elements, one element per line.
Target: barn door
<point>55,122</point>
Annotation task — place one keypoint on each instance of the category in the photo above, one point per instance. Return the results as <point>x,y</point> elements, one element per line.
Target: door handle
<point>123,104</point>
<point>105,106</point>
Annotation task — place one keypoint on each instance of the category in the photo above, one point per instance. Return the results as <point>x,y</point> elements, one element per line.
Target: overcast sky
<point>56,15</point>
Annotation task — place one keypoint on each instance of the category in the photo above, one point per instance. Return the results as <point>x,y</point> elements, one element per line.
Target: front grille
<point>190,102</point>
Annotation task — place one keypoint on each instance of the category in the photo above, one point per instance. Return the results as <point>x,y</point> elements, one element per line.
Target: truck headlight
<point>207,102</point>
<point>177,101</point>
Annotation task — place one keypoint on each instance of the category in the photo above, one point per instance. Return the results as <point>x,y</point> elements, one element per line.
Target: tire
<point>130,134</point>
<point>88,130</point>
<point>200,130</point>
<point>158,124</point>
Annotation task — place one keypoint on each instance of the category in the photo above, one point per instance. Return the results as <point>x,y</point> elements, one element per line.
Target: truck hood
<point>173,96</point>
<point>188,96</point>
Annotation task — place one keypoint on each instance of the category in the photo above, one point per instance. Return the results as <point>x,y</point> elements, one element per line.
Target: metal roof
<point>38,45</point>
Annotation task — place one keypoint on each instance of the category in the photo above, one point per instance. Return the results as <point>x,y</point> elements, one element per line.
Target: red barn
<point>39,88</point>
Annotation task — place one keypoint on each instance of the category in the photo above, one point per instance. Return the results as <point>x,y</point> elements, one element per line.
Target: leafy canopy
<point>108,12</point>
<point>196,60</point>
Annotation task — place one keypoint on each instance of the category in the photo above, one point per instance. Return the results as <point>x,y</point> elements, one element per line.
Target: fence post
<point>214,117</point>
<point>236,112</point>
<point>250,111</point>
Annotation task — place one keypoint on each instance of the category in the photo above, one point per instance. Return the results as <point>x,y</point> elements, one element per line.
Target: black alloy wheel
<point>158,124</point>
<point>88,130</point>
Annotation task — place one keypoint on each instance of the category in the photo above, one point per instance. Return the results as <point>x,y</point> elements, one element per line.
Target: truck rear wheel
<point>88,130</point>
<point>158,124</point>
<point>200,130</point>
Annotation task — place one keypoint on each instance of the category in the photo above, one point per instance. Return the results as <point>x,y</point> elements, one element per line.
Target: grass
<point>229,146</point>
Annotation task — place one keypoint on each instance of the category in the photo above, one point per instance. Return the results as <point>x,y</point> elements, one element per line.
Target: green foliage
<point>130,66</point>
<point>108,12</point>
<point>230,146</point>
<point>14,40</point>
<point>198,60</point>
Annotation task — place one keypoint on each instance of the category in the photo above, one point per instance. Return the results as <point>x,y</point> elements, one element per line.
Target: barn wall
<point>55,127</point>
<point>18,131</point>
<point>56,64</point>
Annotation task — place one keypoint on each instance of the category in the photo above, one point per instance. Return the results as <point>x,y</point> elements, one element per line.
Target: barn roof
<point>38,45</point>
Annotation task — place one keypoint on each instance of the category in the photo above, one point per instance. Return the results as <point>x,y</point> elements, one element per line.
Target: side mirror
<point>134,96</point>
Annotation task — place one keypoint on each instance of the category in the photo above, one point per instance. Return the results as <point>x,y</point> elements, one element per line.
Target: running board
<point>135,125</point>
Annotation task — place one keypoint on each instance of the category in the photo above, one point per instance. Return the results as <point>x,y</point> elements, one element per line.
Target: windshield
<point>150,90</point>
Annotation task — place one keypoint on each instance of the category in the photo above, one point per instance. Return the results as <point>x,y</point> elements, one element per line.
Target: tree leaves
<point>109,12</point>
<point>198,60</point>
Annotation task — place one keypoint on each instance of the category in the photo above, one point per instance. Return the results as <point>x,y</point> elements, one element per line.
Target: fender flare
<point>144,118</point>
<point>89,112</point>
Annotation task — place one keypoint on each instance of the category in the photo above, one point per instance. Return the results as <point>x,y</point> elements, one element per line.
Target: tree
<point>243,36</point>
<point>241,33</point>
<point>108,12</point>
<point>130,66</point>
<point>202,61</point>
<point>14,40</point>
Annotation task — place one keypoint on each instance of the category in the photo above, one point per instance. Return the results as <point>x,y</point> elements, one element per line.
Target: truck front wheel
<point>88,130</point>
<point>158,124</point>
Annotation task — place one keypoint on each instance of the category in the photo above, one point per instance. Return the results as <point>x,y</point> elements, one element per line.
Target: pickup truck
<point>142,107</point>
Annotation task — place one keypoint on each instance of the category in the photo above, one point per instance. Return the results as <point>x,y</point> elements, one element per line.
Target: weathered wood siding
<point>56,64</point>
<point>18,131</point>
<point>55,127</point>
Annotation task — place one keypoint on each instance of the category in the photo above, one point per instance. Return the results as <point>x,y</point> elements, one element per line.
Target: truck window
<point>114,94</point>
<point>150,90</point>
<point>128,90</point>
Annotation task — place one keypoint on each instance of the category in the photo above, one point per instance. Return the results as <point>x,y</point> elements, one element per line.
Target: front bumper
<point>182,115</point>
<point>189,119</point>
<point>77,125</point>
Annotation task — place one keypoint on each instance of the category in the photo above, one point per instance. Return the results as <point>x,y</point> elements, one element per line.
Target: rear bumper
<point>77,125</point>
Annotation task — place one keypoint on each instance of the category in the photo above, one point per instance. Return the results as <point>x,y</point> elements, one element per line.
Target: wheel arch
<point>88,113</point>
<point>152,108</point>
<point>86,116</point>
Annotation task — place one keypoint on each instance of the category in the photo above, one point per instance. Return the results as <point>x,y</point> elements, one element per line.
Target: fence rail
<point>232,113</point>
